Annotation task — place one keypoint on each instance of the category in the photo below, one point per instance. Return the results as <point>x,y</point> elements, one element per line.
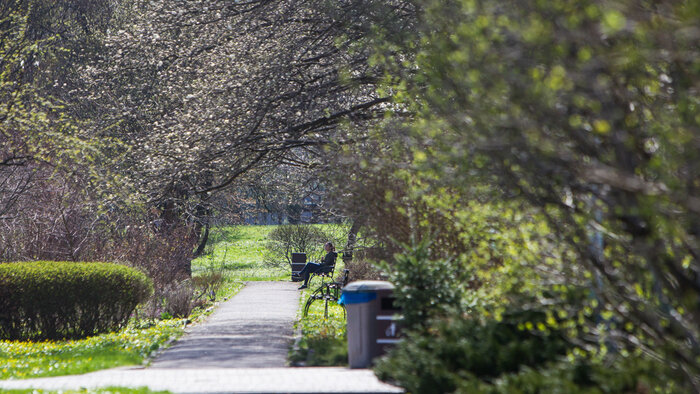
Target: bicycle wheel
<point>329,295</point>
<point>318,294</point>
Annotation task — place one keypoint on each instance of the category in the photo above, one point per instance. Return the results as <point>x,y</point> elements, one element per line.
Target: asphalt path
<point>251,330</point>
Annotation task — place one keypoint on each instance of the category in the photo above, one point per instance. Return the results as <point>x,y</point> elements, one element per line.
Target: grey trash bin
<point>372,323</point>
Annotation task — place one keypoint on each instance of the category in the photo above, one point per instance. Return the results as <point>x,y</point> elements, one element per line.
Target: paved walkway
<point>251,330</point>
<point>241,348</point>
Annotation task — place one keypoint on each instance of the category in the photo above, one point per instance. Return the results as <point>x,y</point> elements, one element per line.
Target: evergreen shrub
<point>456,348</point>
<point>53,300</point>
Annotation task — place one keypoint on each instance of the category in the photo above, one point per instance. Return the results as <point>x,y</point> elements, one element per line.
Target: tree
<point>204,92</point>
<point>61,196</point>
<point>588,112</point>
<point>36,133</point>
<point>293,238</point>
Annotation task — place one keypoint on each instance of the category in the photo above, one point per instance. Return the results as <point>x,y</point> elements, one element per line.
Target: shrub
<point>293,238</point>
<point>619,374</point>
<point>178,299</point>
<point>208,284</point>
<point>456,348</point>
<point>51,300</point>
<point>426,288</point>
<point>174,300</point>
<point>361,269</point>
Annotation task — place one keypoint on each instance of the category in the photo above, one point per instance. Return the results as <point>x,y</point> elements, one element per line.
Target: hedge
<point>56,300</point>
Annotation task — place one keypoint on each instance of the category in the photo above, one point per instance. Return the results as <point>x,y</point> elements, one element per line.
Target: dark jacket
<point>329,259</point>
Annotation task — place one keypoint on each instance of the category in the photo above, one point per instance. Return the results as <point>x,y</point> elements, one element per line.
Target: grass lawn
<point>130,346</point>
<point>238,252</point>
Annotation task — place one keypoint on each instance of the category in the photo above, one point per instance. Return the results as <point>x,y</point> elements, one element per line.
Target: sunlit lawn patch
<point>238,251</point>
<point>52,358</point>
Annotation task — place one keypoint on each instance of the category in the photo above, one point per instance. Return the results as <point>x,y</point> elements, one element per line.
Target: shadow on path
<point>251,330</point>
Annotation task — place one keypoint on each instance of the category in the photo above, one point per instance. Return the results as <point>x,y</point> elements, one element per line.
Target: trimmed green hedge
<point>53,300</point>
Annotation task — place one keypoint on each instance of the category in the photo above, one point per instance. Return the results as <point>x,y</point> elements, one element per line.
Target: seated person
<point>310,268</point>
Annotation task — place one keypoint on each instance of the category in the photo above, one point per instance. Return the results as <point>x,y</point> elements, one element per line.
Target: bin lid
<point>367,286</point>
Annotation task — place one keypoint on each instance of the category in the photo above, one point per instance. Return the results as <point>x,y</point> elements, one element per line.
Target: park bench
<point>328,271</point>
<point>328,291</point>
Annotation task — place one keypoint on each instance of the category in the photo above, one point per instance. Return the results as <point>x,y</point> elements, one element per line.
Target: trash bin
<point>373,323</point>
<point>298,262</point>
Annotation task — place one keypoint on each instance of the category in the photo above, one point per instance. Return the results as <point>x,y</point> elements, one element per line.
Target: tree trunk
<point>352,239</point>
<point>203,241</point>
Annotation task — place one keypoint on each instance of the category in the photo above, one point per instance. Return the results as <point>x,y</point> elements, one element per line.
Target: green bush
<point>52,300</point>
<point>519,353</point>
<point>628,374</point>
<point>451,349</point>
<point>425,288</point>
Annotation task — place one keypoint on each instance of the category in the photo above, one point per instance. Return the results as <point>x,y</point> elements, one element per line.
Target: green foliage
<point>521,352</point>
<point>127,347</point>
<point>51,300</point>
<point>461,345</point>
<point>425,289</point>
<point>579,115</point>
<point>631,374</point>
<point>35,127</point>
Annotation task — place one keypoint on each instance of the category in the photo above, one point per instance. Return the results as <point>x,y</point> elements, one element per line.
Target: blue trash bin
<point>368,309</point>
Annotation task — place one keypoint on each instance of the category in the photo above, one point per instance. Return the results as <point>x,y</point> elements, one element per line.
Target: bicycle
<point>328,292</point>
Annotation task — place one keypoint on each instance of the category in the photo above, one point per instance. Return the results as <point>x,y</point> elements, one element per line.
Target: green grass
<point>130,346</point>
<point>323,341</point>
<point>106,390</point>
<point>238,251</point>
